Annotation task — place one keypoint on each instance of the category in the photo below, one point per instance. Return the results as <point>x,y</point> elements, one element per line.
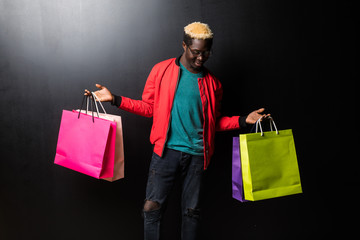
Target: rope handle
<point>93,103</point>
<point>272,122</point>
<point>87,106</point>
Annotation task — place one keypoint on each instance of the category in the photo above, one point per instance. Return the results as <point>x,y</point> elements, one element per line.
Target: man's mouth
<point>199,63</point>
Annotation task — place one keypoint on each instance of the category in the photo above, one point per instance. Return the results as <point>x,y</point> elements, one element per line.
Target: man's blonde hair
<point>198,30</point>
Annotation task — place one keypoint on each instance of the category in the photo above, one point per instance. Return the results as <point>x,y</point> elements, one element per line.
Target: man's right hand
<point>104,95</point>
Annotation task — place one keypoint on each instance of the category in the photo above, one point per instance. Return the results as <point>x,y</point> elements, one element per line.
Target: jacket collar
<point>177,60</point>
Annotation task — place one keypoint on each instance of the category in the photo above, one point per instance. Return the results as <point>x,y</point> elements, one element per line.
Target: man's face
<point>196,54</point>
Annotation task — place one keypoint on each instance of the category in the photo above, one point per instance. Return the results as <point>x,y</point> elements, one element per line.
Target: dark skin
<point>192,62</point>
<point>193,58</point>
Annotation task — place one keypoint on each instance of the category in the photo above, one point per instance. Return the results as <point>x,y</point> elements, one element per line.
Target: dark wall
<point>271,54</point>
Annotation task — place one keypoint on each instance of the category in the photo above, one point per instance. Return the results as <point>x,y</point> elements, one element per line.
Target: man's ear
<point>184,46</point>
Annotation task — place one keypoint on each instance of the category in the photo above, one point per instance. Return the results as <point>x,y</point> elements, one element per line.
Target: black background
<point>291,57</point>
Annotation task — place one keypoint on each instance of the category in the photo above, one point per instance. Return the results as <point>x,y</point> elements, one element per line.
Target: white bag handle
<point>87,107</point>
<point>97,109</point>
<point>258,123</point>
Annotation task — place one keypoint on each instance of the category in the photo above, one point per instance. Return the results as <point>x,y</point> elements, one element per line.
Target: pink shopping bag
<point>119,163</point>
<point>86,144</point>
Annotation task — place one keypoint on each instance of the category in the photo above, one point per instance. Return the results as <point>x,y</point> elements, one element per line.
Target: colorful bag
<point>86,144</point>
<point>237,182</point>
<point>119,163</point>
<point>269,164</point>
<point>119,145</point>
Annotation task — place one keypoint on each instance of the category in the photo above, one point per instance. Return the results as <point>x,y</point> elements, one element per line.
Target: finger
<point>266,116</point>
<point>260,110</point>
<point>99,86</point>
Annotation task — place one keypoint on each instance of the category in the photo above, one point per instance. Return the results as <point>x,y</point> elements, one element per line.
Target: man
<point>183,98</point>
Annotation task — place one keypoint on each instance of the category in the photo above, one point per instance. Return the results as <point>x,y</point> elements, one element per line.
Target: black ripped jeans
<point>162,174</point>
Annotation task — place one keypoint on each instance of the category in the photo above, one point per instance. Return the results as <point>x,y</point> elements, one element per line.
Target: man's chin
<point>197,67</point>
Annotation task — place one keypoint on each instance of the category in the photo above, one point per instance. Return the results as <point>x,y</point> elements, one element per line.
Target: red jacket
<point>158,97</point>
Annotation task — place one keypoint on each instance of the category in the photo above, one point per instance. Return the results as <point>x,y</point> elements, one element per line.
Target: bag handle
<point>93,103</point>
<point>96,98</point>
<point>87,106</point>
<point>258,124</point>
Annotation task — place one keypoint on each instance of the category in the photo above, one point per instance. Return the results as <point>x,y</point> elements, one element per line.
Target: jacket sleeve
<point>224,123</point>
<point>143,107</point>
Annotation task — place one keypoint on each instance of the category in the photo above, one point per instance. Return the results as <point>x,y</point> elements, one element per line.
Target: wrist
<point>242,121</point>
<point>116,100</point>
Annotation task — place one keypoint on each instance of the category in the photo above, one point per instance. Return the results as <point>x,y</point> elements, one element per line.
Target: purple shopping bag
<point>237,182</point>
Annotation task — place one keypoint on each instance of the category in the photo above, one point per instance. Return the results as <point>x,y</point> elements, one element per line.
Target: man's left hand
<point>255,115</point>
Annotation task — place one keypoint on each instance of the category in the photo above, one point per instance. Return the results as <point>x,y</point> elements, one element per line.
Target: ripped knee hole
<point>151,206</point>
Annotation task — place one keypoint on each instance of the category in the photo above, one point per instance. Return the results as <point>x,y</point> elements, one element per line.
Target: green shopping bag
<point>269,164</point>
